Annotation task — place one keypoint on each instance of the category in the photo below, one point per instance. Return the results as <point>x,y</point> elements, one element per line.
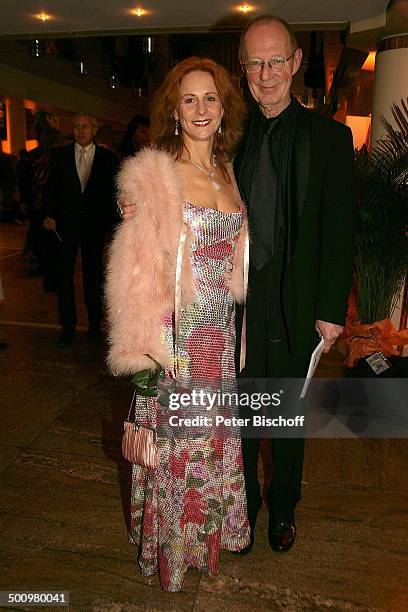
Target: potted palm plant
<point>381,258</point>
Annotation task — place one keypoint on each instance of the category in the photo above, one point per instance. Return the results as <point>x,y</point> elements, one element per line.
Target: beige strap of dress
<point>177,297</point>
<point>242,355</point>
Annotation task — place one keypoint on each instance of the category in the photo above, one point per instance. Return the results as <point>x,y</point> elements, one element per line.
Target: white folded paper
<point>314,360</point>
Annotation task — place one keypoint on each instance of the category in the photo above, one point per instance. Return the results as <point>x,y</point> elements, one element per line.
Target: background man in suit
<point>80,208</point>
<point>295,172</point>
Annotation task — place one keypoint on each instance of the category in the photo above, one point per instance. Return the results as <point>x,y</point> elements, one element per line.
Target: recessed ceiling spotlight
<point>246,8</point>
<point>43,17</point>
<point>139,12</point>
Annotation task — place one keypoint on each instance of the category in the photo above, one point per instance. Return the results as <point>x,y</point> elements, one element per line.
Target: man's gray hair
<point>86,114</point>
<point>265,20</point>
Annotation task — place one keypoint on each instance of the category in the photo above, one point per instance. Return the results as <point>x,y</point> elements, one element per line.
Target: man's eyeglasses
<point>277,63</point>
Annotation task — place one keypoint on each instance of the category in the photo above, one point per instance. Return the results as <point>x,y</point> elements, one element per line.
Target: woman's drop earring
<point>219,129</point>
<point>176,128</point>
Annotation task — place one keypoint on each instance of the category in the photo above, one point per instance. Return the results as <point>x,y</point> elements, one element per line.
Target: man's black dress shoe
<point>281,534</point>
<point>65,338</point>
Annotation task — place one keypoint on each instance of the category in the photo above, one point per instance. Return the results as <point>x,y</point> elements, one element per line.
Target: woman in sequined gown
<point>194,503</point>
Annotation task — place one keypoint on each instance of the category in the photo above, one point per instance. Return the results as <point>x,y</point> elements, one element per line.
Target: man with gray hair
<point>81,210</point>
<point>294,169</point>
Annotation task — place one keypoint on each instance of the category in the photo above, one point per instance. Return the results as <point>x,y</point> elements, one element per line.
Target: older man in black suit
<point>80,209</point>
<point>295,171</point>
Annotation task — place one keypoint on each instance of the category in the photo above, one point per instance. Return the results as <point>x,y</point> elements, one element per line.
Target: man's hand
<point>126,209</point>
<point>330,333</point>
<point>49,224</point>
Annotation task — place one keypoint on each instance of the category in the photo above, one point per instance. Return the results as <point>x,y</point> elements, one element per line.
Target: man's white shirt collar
<point>87,149</point>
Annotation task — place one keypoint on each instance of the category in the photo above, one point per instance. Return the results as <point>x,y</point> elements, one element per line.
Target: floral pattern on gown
<point>194,503</point>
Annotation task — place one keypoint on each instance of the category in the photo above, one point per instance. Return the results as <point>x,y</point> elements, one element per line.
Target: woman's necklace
<point>209,173</point>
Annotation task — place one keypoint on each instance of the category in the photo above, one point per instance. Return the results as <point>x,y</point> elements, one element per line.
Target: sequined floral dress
<point>194,503</point>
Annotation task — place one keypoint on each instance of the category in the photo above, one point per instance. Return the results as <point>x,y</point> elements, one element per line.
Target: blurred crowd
<point>25,179</point>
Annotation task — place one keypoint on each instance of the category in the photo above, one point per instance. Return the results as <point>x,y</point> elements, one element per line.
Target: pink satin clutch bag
<point>139,445</point>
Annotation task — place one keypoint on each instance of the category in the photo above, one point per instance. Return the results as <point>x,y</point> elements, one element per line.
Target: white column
<point>390,80</point>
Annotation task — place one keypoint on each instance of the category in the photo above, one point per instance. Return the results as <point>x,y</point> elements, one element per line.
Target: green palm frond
<point>382,238</point>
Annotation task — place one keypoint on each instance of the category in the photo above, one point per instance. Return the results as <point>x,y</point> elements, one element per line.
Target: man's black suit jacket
<point>317,274</point>
<point>94,209</point>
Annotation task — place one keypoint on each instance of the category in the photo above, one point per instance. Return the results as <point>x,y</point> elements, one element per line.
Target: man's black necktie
<point>263,201</point>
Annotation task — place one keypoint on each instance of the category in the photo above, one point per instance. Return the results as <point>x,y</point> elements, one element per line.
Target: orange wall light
<point>360,127</point>
<point>369,64</point>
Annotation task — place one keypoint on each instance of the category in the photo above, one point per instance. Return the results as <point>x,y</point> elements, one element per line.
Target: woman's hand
<point>330,333</point>
<point>126,209</point>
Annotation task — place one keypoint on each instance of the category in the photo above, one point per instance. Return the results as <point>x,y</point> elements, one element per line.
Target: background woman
<point>194,503</point>
<point>136,136</point>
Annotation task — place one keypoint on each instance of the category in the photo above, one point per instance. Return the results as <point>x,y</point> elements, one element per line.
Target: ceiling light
<point>246,8</point>
<point>139,12</point>
<point>43,17</point>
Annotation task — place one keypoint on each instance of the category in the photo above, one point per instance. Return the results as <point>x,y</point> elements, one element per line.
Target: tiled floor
<point>64,490</point>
